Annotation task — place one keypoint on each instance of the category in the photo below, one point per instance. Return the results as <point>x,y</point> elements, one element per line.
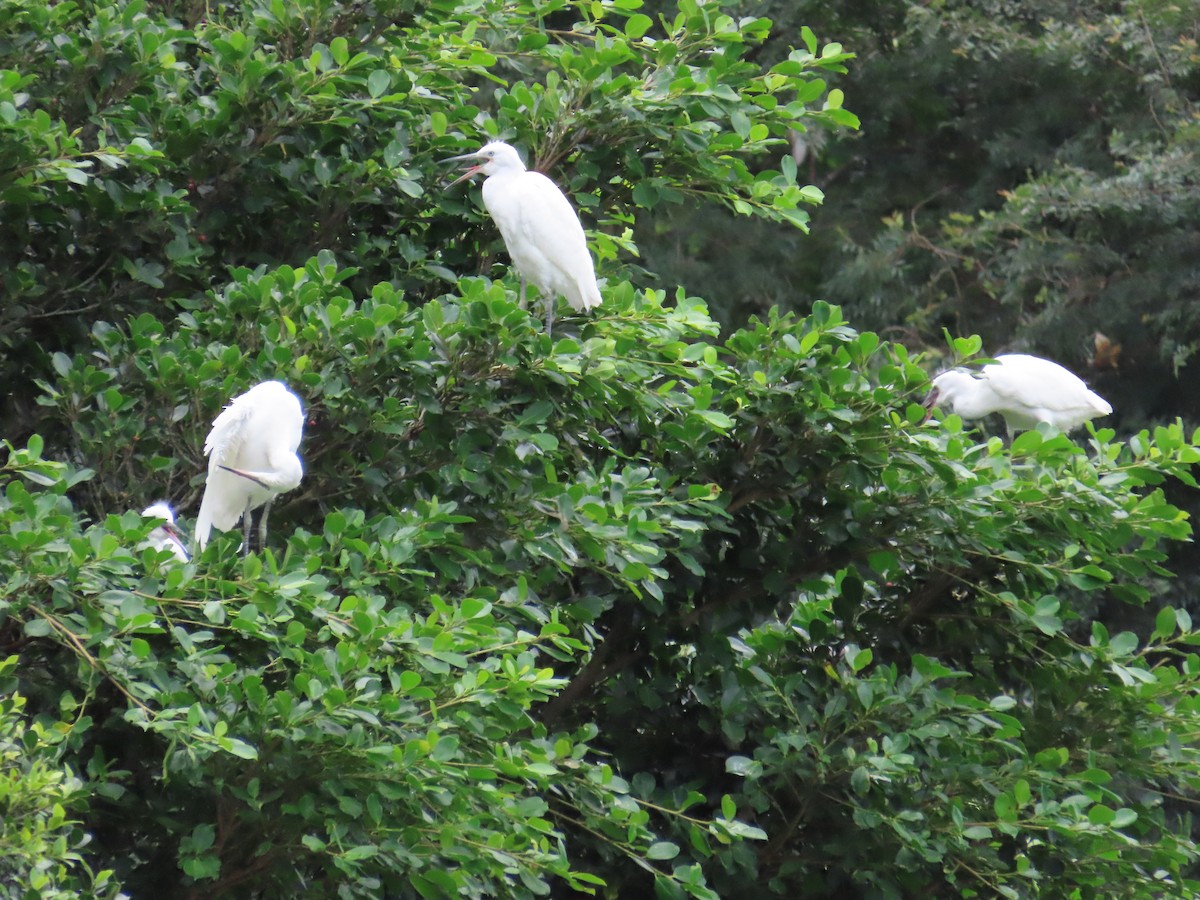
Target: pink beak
<point>929,403</point>
<point>471,170</point>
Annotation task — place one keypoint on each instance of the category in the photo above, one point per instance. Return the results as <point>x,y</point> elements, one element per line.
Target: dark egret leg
<point>246,529</point>
<point>262,526</point>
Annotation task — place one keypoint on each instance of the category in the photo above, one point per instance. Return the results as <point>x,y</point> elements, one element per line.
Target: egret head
<point>162,510</point>
<point>947,388</point>
<point>489,159</point>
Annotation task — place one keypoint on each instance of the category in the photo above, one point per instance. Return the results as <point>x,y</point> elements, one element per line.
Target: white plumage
<point>540,228</point>
<point>252,459</point>
<point>165,536</point>
<point>1024,389</point>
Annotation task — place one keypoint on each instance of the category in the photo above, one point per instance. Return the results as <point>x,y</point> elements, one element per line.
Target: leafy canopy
<point>638,605</point>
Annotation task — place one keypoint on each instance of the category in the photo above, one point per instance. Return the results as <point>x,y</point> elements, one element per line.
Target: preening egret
<point>1024,389</point>
<point>166,536</point>
<point>540,228</point>
<point>251,460</point>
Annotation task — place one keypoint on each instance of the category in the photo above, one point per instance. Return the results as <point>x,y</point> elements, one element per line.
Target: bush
<point>636,605</point>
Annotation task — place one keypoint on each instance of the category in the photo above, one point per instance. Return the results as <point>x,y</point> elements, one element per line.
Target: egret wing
<point>225,494</point>
<point>258,432</point>
<point>547,217</point>
<point>1044,390</point>
<point>228,431</point>
<point>544,237</point>
<point>1031,382</point>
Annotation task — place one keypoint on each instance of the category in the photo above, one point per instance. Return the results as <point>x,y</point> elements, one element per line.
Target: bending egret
<point>165,536</point>
<point>1024,389</point>
<point>540,228</point>
<point>251,460</point>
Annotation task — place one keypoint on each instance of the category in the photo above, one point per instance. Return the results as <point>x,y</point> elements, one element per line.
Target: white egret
<point>540,228</point>
<point>251,459</point>
<point>1024,389</point>
<point>166,536</point>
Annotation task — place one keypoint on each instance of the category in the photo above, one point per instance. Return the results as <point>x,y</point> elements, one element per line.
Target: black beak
<point>248,476</point>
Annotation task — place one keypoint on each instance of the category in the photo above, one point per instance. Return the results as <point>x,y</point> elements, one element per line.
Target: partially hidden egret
<point>252,459</point>
<point>1024,389</point>
<point>166,536</point>
<point>540,228</point>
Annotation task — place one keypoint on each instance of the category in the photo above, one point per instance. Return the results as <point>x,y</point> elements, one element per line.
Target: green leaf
<point>662,850</point>
<point>339,49</point>
<point>637,25</point>
<point>1124,643</point>
<point>860,781</point>
<point>378,83</point>
<point>1164,623</point>
<point>1026,443</point>
<point>1123,818</point>
<point>238,748</point>
<point>965,347</point>
<point>35,628</point>
<point>716,419</point>
<point>741,765</point>
<point>409,681</point>
<point>1100,814</point>
<point>862,659</point>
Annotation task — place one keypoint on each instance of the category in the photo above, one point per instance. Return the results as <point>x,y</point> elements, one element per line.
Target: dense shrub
<point>642,605</point>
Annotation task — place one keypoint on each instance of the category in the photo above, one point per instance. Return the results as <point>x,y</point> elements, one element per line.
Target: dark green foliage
<point>144,154</point>
<point>1026,171</point>
<point>39,843</point>
<point>642,608</point>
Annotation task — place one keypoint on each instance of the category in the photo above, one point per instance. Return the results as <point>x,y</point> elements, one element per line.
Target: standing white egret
<point>251,459</point>
<point>1024,389</point>
<point>540,228</point>
<point>166,536</point>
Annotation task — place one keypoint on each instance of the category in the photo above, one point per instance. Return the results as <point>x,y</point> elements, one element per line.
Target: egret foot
<point>262,526</point>
<point>246,531</point>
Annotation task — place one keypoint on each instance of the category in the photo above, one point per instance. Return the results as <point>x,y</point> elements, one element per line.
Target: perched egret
<point>540,228</point>
<point>251,460</point>
<point>165,536</point>
<point>1024,389</point>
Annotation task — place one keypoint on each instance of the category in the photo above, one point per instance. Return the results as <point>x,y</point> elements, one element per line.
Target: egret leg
<point>549,316</point>
<point>262,526</point>
<point>246,529</point>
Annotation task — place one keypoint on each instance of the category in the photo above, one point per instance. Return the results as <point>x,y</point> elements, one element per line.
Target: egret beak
<point>173,533</point>
<point>253,478</point>
<point>929,403</point>
<point>470,172</point>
